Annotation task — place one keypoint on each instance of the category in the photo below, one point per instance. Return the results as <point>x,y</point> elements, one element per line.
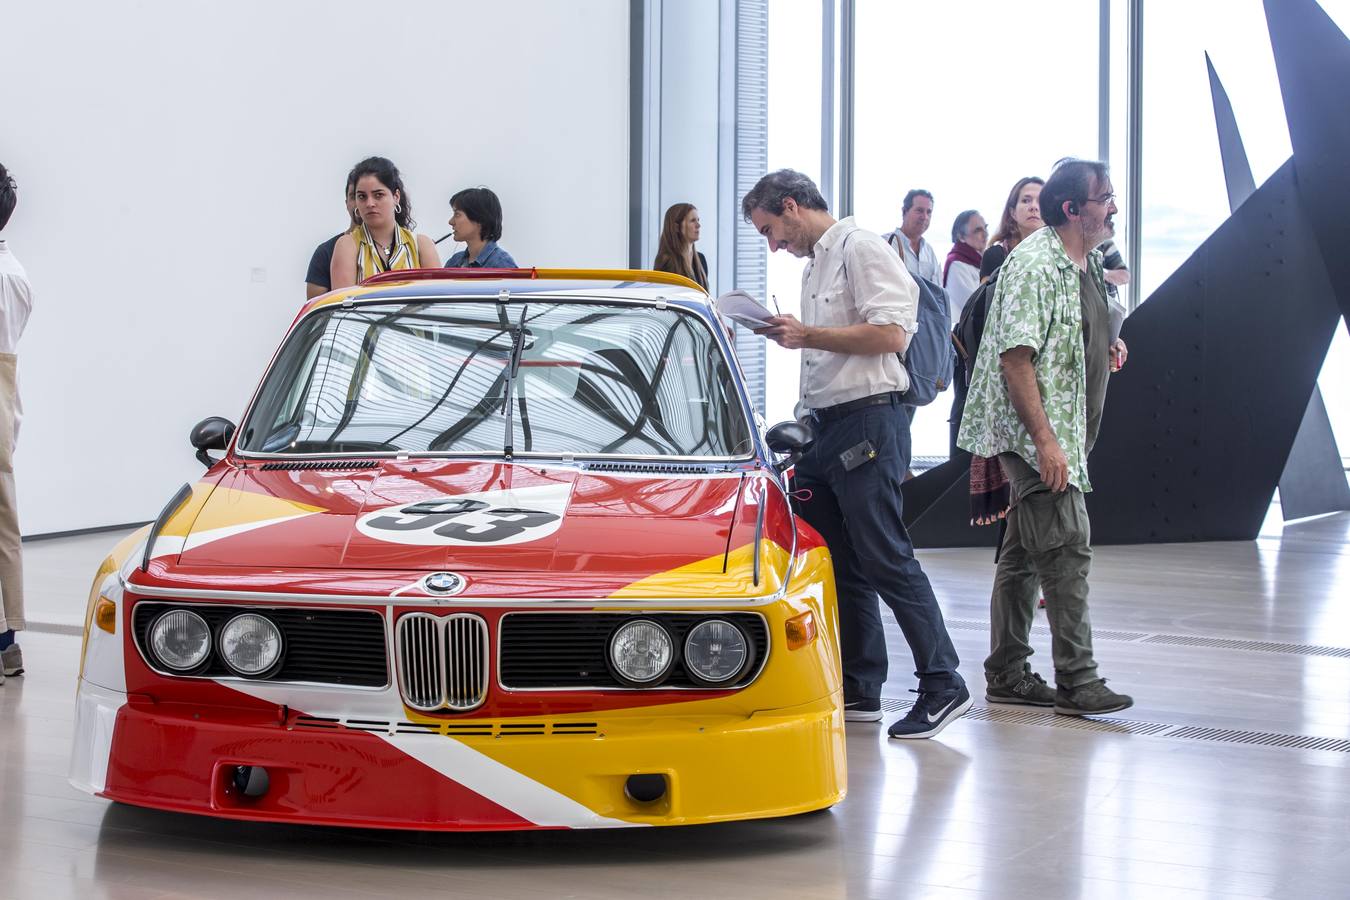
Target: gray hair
<point>962,224</point>
<point>909,199</point>
<point>770,191</point>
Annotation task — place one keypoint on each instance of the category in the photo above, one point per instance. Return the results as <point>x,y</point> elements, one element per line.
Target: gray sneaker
<point>1091,699</point>
<point>11,660</point>
<point>1027,689</point>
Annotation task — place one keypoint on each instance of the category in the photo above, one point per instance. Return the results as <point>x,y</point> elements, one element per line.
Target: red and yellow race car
<point>502,550</point>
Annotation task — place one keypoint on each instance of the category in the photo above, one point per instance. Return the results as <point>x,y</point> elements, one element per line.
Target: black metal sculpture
<point>1313,481</point>
<point>1224,356</point>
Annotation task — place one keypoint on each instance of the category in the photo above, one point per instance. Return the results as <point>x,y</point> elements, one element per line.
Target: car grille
<point>442,661</point>
<point>326,646</point>
<point>571,650</point>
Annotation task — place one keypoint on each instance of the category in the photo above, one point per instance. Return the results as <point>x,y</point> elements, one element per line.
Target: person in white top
<point>915,216</point>
<point>961,271</point>
<point>859,309</point>
<point>16,302</point>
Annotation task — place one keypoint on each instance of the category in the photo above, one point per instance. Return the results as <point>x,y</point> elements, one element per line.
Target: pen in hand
<point>776,310</point>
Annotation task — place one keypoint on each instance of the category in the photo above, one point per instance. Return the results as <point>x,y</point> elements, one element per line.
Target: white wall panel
<point>178,162</point>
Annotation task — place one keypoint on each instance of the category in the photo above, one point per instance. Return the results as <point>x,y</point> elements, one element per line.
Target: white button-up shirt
<point>16,302</point>
<point>924,264</point>
<point>851,279</point>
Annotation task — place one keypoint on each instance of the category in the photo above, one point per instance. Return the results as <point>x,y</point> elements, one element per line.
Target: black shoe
<point>862,710</point>
<point>1027,689</point>
<point>1091,699</point>
<point>932,712</point>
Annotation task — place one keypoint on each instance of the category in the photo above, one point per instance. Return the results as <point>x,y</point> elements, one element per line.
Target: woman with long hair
<point>675,252</point>
<point>384,239</point>
<point>1021,216</point>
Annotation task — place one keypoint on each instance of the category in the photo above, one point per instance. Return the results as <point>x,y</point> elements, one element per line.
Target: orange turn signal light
<point>801,630</point>
<point>105,615</point>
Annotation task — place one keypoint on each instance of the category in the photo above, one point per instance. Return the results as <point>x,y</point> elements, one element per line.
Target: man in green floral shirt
<point>1035,402</point>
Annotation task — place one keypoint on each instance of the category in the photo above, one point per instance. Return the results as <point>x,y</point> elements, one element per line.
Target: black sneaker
<point>1028,689</point>
<point>862,710</point>
<point>1091,699</point>
<point>932,712</point>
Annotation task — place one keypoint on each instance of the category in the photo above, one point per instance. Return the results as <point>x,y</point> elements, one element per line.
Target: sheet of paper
<point>1117,318</point>
<point>741,308</point>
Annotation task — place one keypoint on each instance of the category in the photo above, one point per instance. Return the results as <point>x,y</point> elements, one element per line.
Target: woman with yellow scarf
<point>384,240</point>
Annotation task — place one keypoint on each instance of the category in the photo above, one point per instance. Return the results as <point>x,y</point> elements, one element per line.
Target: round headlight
<point>180,639</point>
<point>715,651</point>
<point>641,651</point>
<point>250,644</point>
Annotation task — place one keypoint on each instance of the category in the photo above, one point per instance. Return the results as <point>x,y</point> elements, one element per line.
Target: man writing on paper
<point>859,308</point>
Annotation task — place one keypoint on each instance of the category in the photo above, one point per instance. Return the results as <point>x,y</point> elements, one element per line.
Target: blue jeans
<point>858,514</point>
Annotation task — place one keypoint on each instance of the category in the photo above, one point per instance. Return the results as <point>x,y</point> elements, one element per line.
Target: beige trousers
<point>11,551</point>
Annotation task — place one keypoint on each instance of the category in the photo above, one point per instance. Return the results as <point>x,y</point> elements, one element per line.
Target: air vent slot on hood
<point>658,468</point>
<point>321,464</point>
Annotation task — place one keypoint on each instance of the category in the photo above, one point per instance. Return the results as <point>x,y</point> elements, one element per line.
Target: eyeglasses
<point>1105,199</point>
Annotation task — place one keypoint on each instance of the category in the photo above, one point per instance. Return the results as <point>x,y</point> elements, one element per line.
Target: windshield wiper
<point>517,349</point>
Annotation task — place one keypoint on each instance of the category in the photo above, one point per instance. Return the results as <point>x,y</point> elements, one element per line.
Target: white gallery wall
<point>178,162</point>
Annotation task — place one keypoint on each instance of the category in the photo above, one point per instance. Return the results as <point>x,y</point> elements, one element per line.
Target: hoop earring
<point>398,208</point>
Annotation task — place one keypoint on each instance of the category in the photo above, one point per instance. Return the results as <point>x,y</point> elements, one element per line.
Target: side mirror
<point>790,438</point>
<point>211,434</point>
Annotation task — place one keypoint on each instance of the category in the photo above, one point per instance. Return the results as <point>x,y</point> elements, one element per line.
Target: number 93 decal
<point>471,520</point>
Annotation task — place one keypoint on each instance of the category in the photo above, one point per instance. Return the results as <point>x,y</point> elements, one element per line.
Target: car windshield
<point>459,377</point>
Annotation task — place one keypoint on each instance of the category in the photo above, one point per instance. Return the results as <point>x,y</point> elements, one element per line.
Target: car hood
<point>469,516</point>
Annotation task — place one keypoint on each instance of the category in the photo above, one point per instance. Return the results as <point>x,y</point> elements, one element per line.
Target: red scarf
<point>960,252</point>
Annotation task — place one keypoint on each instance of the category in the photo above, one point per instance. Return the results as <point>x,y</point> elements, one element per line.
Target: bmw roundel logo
<point>443,583</point>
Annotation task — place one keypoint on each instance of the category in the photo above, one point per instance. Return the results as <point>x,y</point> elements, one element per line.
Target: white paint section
<point>104,657</point>
<point>501,784</point>
<point>95,717</point>
<point>198,538</point>
<point>324,701</point>
<point>487,518</point>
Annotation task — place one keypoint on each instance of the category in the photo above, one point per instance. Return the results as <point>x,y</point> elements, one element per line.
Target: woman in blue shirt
<point>476,221</point>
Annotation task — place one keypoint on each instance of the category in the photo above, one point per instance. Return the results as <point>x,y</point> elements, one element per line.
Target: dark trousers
<point>858,514</point>
<point>960,387</point>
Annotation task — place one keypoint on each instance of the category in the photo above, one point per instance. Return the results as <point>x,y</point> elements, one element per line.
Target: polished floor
<point>1229,778</point>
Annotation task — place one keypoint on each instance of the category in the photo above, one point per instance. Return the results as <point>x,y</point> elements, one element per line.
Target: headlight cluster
<point>249,644</point>
<point>715,652</point>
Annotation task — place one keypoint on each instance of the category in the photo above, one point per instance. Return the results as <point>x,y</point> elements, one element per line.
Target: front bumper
<point>718,767</point>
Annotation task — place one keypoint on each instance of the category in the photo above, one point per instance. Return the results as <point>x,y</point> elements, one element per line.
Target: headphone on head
<point>1073,208</point>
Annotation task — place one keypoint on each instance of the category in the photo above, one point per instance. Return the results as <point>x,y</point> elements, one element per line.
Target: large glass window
<point>590,379</point>
<point>795,81</point>
<point>955,99</point>
<point>1183,186</point>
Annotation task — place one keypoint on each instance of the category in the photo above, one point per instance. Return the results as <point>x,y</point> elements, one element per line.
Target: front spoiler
<point>182,757</point>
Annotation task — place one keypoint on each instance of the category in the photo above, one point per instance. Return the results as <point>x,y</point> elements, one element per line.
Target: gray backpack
<point>929,359</point>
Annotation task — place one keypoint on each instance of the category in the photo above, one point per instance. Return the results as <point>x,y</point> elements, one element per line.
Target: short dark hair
<point>1071,179</point>
<point>962,221</point>
<point>8,197</point>
<point>909,199</point>
<point>770,191</point>
<point>388,175</point>
<point>481,207</point>
<point>351,185</point>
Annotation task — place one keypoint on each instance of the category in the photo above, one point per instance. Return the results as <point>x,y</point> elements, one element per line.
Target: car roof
<point>411,284</point>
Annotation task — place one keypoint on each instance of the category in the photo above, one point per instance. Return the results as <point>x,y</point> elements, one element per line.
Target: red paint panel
<point>170,757</point>
<point>628,528</point>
